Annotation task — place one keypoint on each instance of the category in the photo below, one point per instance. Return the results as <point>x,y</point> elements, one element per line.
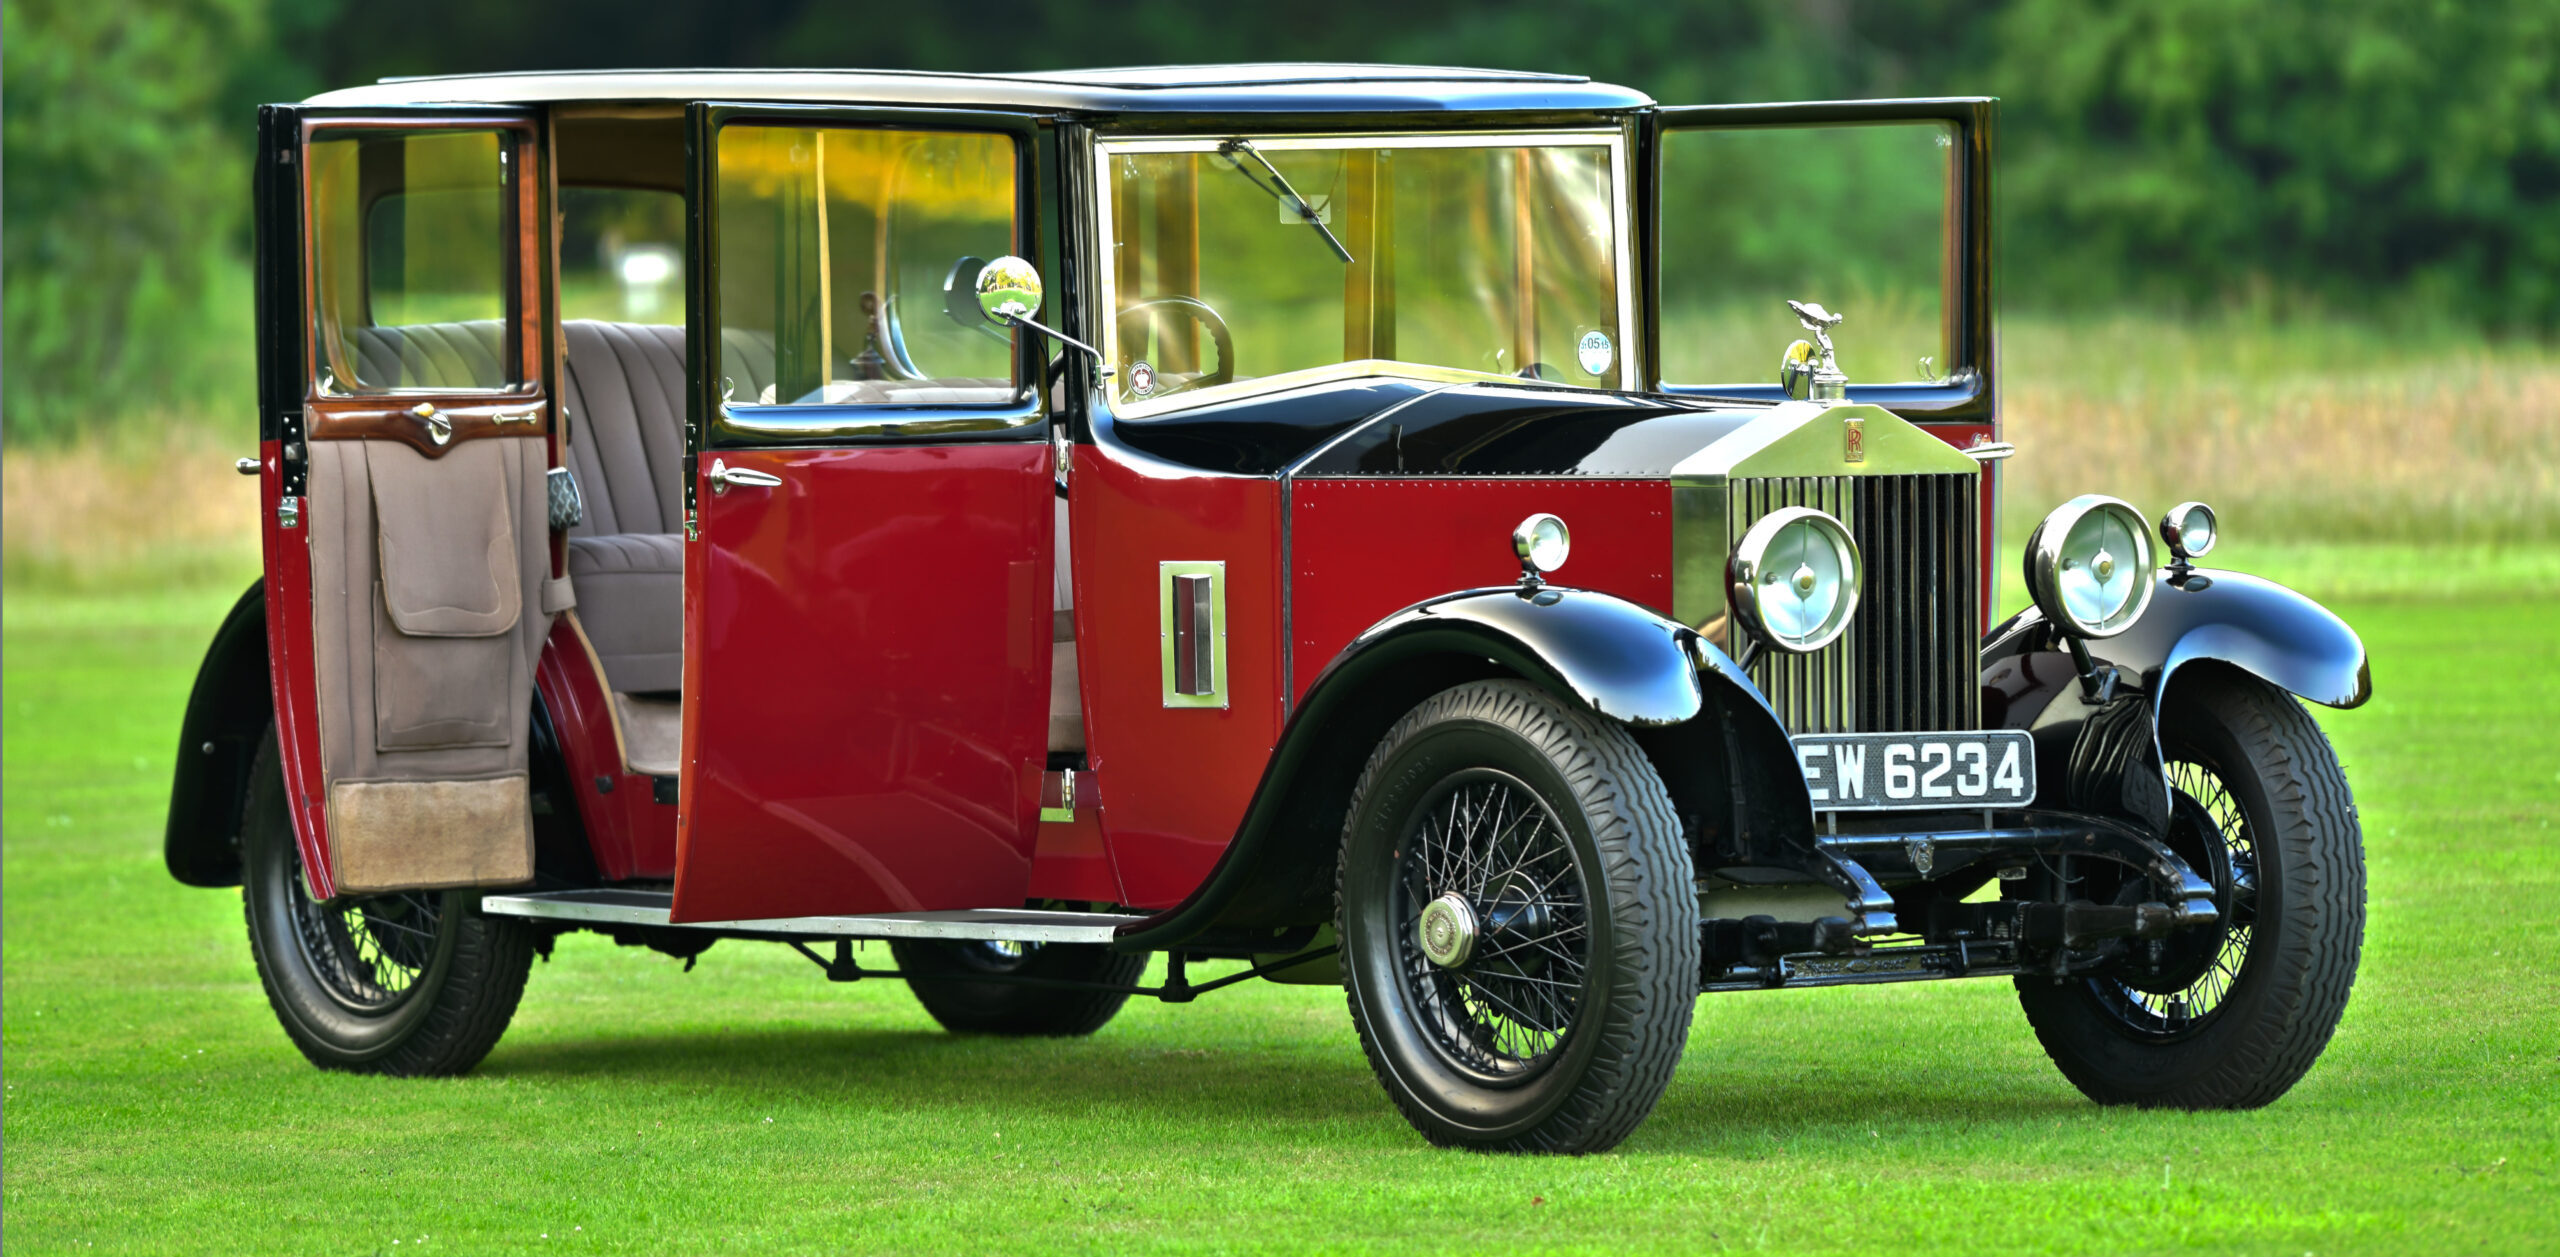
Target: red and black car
<point>1335,518</point>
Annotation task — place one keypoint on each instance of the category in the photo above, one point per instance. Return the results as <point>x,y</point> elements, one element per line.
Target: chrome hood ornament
<point>1806,374</point>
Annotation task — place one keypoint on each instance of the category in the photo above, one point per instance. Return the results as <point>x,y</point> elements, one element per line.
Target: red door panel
<point>866,682</point>
<point>1177,778</point>
<point>1362,548</point>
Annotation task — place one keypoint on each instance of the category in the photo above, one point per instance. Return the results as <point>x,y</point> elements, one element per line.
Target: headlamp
<point>1795,579</point>
<point>1543,543</point>
<point>2089,566</point>
<point>2190,529</point>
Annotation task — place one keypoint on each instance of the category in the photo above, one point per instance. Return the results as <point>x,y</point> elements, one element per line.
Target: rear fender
<point>227,717</point>
<point>1684,699</point>
<point>2106,757</point>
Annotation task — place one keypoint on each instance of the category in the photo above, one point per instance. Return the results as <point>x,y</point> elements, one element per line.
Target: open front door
<point>1878,210</point>
<point>405,425</point>
<point>869,503</point>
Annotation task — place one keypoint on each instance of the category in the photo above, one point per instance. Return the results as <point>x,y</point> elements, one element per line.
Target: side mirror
<point>1008,289</point>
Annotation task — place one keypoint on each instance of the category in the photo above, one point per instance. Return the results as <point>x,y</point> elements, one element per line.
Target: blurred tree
<point>122,197</point>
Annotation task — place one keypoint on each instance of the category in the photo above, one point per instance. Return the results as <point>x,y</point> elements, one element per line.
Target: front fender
<point>1615,658</point>
<point>2106,757</point>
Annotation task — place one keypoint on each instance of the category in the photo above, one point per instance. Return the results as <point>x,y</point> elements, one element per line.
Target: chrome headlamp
<point>2190,529</point>
<point>1542,543</point>
<point>2089,566</point>
<point>1795,579</point>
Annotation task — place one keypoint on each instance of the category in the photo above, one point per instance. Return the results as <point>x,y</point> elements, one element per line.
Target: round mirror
<point>1009,288</point>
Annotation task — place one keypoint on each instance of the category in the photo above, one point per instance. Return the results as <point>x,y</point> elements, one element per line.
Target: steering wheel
<point>1197,311</point>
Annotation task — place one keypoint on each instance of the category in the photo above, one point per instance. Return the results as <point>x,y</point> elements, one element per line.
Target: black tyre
<point>941,975</point>
<point>2230,1015</point>
<point>404,984</point>
<point>1519,923</point>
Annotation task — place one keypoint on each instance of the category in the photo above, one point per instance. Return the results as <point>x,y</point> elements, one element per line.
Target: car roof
<point>1295,87</point>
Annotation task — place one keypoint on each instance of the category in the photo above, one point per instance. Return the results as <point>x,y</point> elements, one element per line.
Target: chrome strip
<point>649,908</point>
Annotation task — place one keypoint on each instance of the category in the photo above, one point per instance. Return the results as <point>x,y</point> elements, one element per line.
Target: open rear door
<point>405,422</point>
<point>869,509</point>
<point>1878,210</point>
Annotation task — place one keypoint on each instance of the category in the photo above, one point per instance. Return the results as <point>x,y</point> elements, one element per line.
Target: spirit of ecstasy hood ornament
<point>1802,374</point>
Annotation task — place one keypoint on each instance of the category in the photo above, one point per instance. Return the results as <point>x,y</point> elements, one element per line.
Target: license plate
<point>1862,771</point>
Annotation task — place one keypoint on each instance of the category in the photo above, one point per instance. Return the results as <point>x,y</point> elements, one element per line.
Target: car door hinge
<point>692,525</point>
<point>289,512</point>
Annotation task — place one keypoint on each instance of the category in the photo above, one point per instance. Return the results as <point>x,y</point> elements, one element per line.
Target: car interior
<point>622,252</point>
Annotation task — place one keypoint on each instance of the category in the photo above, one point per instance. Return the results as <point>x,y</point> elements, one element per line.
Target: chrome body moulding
<point>608,908</point>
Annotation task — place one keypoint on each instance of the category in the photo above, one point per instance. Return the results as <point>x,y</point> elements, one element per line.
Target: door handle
<point>439,428</point>
<point>723,476</point>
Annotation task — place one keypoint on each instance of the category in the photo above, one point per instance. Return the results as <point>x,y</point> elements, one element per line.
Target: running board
<point>608,908</point>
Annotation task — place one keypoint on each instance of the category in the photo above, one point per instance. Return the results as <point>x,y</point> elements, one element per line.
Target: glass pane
<point>622,255</point>
<point>413,239</point>
<point>1853,218</point>
<point>835,246</point>
<point>1494,259</point>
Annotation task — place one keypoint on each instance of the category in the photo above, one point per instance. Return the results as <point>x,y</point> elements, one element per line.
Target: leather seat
<point>431,355</point>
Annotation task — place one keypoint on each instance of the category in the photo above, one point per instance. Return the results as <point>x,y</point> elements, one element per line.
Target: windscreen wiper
<point>1280,190</point>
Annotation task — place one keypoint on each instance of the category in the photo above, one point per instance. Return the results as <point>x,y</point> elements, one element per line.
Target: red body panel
<point>1362,549</point>
<point>1178,777</point>
<point>866,682</point>
<point>631,833</point>
<point>1073,860</point>
<point>291,672</point>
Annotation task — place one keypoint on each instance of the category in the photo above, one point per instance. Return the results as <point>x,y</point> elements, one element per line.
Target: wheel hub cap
<point>1447,932</point>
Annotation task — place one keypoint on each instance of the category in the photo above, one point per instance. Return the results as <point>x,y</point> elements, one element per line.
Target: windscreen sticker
<point>1596,352</point>
<point>1142,378</point>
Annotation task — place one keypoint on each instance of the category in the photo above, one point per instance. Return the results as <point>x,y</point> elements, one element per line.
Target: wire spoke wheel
<point>1491,842</point>
<point>2204,967</point>
<point>370,952</point>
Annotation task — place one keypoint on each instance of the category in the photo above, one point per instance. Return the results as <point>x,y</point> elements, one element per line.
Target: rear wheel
<point>950,980</point>
<point>412,983</point>
<point>1520,932</point>
<point>2232,1014</point>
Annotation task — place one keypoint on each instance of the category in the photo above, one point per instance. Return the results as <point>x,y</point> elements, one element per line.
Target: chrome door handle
<point>1989,451</point>
<point>723,476</point>
<point>248,466</point>
<point>529,416</point>
<point>439,428</point>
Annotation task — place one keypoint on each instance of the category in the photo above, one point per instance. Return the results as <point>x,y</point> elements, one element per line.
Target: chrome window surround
<point>1623,258</point>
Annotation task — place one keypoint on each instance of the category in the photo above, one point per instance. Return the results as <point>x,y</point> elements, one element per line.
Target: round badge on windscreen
<point>1596,352</point>
<point>1142,379</point>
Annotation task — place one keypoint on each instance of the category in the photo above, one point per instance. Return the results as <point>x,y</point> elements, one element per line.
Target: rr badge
<point>1853,441</point>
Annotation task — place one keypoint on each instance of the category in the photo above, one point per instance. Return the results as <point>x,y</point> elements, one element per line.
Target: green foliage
<point>124,195</point>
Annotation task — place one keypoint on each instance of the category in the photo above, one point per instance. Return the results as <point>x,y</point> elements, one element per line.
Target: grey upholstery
<point>432,355</point>
<point>631,602</point>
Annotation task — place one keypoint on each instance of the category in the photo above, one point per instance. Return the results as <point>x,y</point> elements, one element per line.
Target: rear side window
<point>1852,217</point>
<point>846,259</point>
<point>413,240</point>
<point>622,255</point>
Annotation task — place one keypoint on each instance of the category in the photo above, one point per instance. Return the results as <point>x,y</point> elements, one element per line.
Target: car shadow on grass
<point>1707,1110</point>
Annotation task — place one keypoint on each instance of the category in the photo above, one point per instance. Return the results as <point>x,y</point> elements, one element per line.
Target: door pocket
<point>445,609</point>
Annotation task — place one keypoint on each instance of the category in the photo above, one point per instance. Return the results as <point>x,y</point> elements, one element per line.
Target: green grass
<point>152,1104</point>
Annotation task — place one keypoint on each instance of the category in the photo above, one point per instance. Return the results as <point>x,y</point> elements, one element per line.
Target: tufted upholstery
<point>432,355</point>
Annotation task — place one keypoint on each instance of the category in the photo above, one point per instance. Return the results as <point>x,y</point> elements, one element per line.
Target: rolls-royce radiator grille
<point>1911,660</point>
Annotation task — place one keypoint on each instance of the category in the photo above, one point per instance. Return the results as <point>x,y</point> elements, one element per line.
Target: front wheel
<point>2231,1014</point>
<point>1519,924</point>
<point>410,983</point>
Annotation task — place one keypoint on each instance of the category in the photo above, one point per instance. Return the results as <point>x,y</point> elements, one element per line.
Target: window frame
<point>522,283</point>
<point>1624,258</point>
<point>719,422</point>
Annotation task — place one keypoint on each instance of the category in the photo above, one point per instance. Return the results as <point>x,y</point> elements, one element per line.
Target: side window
<point>836,247</point>
<point>413,240</point>
<point>622,255</point>
<point>1855,218</point>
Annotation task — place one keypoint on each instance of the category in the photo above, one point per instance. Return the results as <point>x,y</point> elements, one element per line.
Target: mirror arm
<point>1052,333</point>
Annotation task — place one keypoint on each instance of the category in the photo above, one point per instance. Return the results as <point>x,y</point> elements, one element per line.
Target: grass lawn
<point>153,1104</point>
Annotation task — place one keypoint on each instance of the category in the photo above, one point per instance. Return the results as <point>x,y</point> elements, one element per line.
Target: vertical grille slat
<point>1910,661</point>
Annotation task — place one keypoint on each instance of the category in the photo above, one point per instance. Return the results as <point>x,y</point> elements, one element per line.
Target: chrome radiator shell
<point>1911,658</point>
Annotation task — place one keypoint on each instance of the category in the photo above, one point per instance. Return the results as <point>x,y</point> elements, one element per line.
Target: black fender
<point>227,717</point>
<point>2105,756</point>
<point>1615,658</point>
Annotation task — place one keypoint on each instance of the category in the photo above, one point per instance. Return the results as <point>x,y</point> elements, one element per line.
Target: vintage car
<point>1337,519</point>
